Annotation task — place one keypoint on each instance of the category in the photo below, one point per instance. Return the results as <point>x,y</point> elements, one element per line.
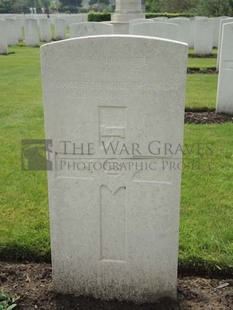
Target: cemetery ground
<point>206,235</point>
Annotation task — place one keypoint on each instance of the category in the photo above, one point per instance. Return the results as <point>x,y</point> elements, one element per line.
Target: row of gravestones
<point>201,33</point>
<point>143,27</point>
<point>14,27</point>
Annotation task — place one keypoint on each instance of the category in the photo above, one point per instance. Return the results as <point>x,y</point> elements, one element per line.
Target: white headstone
<point>160,19</point>
<point>163,30</point>
<point>114,225</point>
<point>216,25</point>
<point>12,31</point>
<point>31,32</point>
<point>90,29</point>
<point>185,30</point>
<point>192,35</point>
<point>137,22</point>
<point>3,38</point>
<point>76,18</point>
<point>225,78</point>
<point>60,29</point>
<point>140,20</point>
<point>203,37</point>
<point>222,22</point>
<point>45,29</point>
<point>127,10</point>
<point>201,17</point>
<point>120,27</point>
<point>20,26</point>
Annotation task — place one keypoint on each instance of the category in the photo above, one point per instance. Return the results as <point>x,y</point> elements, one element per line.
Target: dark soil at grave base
<point>206,116</point>
<point>33,283</point>
<point>211,70</point>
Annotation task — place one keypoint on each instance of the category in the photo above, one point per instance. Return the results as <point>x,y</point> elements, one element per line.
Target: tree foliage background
<point>199,7</point>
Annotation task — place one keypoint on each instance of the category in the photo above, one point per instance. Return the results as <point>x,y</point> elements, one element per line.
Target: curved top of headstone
<point>112,38</point>
<point>114,69</point>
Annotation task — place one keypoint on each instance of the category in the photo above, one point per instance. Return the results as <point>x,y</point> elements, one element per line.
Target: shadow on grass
<point>10,53</point>
<point>15,253</point>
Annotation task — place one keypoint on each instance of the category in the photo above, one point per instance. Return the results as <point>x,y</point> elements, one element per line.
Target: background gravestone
<point>223,21</point>
<point>114,231</point>
<point>140,20</point>
<point>203,36</point>
<point>90,28</point>
<point>45,30</point>
<point>12,31</point>
<point>3,38</point>
<point>225,78</point>
<point>31,32</point>
<point>60,29</point>
<point>185,30</point>
<point>158,29</point>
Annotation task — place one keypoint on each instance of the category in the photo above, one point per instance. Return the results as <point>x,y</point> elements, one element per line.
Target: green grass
<point>7,302</point>
<point>202,62</point>
<point>214,51</point>
<point>206,236</point>
<point>201,90</point>
<point>22,194</point>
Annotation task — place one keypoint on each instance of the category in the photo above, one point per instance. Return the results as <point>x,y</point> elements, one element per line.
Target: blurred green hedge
<point>100,17</point>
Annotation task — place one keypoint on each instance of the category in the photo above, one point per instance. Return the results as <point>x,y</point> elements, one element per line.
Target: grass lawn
<point>202,62</point>
<point>214,51</point>
<point>201,90</point>
<point>206,234</point>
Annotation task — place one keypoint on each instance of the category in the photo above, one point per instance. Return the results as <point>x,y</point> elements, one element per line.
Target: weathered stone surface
<point>140,20</point>
<point>31,32</point>
<point>3,38</point>
<point>225,89</point>
<point>114,227</point>
<point>12,31</point>
<point>20,26</point>
<point>127,10</point>
<point>60,28</point>
<point>216,25</point>
<point>163,30</point>
<point>223,21</point>
<point>160,19</point>
<point>185,33</point>
<point>203,36</point>
<point>45,29</point>
<point>90,29</point>
<point>76,18</point>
